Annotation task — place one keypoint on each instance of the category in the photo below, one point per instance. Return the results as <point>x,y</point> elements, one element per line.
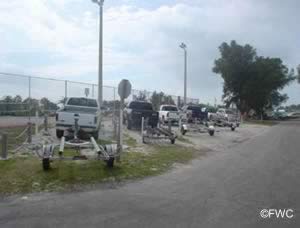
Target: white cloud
<point>142,43</point>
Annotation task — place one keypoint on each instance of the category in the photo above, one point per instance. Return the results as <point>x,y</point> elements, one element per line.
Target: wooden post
<point>4,146</point>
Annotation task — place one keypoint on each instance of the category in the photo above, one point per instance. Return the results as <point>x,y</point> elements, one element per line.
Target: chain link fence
<point>27,99</point>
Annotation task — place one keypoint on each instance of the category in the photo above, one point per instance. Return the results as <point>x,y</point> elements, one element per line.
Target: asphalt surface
<point>224,189</point>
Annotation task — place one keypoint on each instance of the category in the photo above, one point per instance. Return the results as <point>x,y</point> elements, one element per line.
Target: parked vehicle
<point>294,115</point>
<point>135,110</point>
<point>81,108</point>
<point>194,112</point>
<point>226,117</point>
<point>280,114</point>
<point>225,114</point>
<point>169,112</point>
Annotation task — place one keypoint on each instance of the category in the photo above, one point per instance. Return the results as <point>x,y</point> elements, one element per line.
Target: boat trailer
<point>196,126</point>
<point>157,133</point>
<point>226,122</point>
<point>107,153</point>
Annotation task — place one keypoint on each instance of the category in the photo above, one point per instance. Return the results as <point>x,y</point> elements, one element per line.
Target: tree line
<point>252,82</point>
<point>16,106</point>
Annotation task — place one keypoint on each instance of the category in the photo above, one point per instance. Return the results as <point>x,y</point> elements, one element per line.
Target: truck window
<point>84,102</point>
<point>194,108</point>
<point>169,108</point>
<point>141,105</point>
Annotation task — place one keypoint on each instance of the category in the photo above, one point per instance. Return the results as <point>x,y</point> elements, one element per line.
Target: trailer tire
<point>46,164</point>
<point>232,128</point>
<point>59,133</point>
<point>183,132</point>
<point>173,141</point>
<point>110,162</point>
<point>211,133</point>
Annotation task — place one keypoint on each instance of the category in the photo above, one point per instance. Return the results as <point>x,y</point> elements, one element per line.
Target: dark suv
<point>135,110</point>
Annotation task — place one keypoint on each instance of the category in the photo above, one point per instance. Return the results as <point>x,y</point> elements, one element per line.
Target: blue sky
<point>59,39</point>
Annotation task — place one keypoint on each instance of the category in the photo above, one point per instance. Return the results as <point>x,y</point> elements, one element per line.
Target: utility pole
<point>100,66</point>
<point>183,46</point>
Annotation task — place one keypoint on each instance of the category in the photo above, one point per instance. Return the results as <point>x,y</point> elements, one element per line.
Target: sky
<point>59,39</point>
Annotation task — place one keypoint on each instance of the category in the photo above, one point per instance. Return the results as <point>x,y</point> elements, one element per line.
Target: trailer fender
<point>184,127</point>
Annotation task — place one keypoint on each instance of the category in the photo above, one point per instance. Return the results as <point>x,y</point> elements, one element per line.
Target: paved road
<point>224,189</point>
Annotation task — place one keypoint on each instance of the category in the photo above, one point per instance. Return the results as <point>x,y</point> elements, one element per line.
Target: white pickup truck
<point>168,112</point>
<point>81,108</point>
<point>227,115</point>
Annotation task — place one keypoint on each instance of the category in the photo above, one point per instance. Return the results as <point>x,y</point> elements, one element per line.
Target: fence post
<point>4,146</point>
<point>46,122</point>
<point>29,132</point>
<point>29,96</point>
<point>66,88</point>
<point>170,125</point>
<point>36,122</point>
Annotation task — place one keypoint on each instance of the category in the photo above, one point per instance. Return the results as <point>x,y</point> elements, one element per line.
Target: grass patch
<point>262,122</point>
<point>24,175</point>
<point>12,133</point>
<point>131,142</point>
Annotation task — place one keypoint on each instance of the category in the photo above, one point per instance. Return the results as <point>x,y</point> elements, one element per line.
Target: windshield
<point>141,105</point>
<point>83,102</point>
<point>169,108</point>
<point>194,108</point>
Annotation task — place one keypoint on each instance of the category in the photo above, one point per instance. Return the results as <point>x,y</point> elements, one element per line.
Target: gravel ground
<point>224,138</point>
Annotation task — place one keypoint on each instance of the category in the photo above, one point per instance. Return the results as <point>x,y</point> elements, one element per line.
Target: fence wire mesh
<point>22,97</point>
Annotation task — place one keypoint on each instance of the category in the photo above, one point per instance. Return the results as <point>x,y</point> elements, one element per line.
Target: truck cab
<point>168,112</point>
<point>85,110</point>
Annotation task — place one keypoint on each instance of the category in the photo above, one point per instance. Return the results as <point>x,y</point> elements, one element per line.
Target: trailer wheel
<point>211,133</point>
<point>59,133</point>
<point>183,131</point>
<point>46,164</point>
<point>172,141</point>
<point>110,162</point>
<point>232,128</point>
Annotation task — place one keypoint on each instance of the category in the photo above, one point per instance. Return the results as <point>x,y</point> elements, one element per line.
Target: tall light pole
<point>100,66</point>
<point>183,46</point>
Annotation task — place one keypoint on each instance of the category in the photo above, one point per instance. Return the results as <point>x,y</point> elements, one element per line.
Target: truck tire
<point>183,131</point>
<point>211,132</point>
<point>59,133</point>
